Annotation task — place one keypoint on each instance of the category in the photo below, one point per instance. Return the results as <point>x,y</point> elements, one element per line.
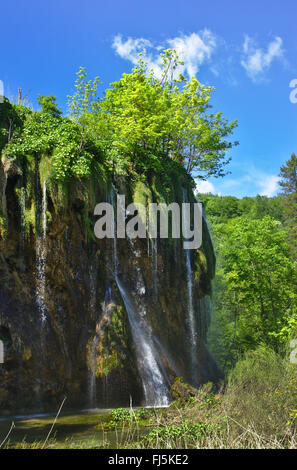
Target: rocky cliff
<point>102,322</point>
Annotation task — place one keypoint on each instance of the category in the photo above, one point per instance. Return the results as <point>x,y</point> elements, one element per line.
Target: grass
<point>257,409</point>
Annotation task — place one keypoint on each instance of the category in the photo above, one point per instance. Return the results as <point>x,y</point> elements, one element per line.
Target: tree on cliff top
<point>147,119</point>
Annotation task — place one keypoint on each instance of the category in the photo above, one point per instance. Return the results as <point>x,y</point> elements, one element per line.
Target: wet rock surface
<point>84,349</point>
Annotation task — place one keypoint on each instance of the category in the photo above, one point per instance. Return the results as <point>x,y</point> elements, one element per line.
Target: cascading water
<point>41,252</point>
<point>191,313</point>
<point>150,370</point>
<point>154,386</point>
<point>41,225</point>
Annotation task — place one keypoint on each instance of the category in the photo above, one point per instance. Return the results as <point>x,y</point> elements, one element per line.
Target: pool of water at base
<point>83,429</point>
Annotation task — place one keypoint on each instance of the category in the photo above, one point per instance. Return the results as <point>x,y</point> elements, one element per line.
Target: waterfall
<point>41,227</point>
<point>154,386</point>
<point>191,314</point>
<point>150,370</point>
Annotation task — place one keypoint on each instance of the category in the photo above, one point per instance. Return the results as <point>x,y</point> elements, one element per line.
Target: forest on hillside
<point>255,285</point>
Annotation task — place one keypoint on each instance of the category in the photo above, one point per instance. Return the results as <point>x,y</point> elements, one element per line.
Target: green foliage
<point>220,209</point>
<point>260,277</point>
<point>30,220</point>
<point>121,414</point>
<point>48,105</point>
<point>255,287</point>
<point>11,120</point>
<point>61,139</point>
<point>288,183</point>
<point>3,227</point>
<point>146,121</point>
<point>144,414</point>
<point>83,100</point>
<point>127,416</point>
<point>171,435</point>
<point>262,390</point>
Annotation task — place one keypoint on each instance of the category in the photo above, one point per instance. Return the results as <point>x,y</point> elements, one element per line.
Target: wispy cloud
<point>256,61</point>
<point>194,49</point>
<point>130,48</point>
<point>249,183</point>
<point>269,185</point>
<point>205,187</point>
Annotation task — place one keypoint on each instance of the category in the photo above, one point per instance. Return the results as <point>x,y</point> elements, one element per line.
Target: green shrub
<point>262,392</point>
<point>170,435</point>
<point>144,413</point>
<point>121,414</point>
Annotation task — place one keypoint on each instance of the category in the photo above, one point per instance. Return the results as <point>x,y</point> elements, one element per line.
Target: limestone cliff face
<point>63,318</point>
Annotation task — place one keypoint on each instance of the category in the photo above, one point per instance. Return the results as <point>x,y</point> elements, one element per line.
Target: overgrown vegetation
<point>155,132</point>
<point>256,284</point>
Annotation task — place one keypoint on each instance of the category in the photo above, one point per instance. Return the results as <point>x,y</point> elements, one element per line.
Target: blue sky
<point>246,50</point>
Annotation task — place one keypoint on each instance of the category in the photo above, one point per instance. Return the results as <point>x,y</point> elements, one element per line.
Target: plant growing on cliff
<point>48,105</point>
<point>148,120</point>
<point>47,133</point>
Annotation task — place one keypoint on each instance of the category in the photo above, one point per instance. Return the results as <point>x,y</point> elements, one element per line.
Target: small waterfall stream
<point>154,386</point>
<point>40,266</point>
<point>41,253</point>
<point>150,370</point>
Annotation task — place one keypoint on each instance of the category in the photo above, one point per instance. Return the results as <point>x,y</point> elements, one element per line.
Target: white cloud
<point>194,49</point>
<point>130,48</point>
<point>249,182</point>
<point>256,60</point>
<point>269,185</point>
<point>205,187</point>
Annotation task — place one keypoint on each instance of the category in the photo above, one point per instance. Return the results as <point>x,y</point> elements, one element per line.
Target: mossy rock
<point>181,391</point>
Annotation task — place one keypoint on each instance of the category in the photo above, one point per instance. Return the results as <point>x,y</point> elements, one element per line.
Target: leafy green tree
<point>220,209</point>
<point>288,183</point>
<point>48,105</point>
<point>146,120</point>
<point>263,205</point>
<point>11,119</point>
<point>260,279</point>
